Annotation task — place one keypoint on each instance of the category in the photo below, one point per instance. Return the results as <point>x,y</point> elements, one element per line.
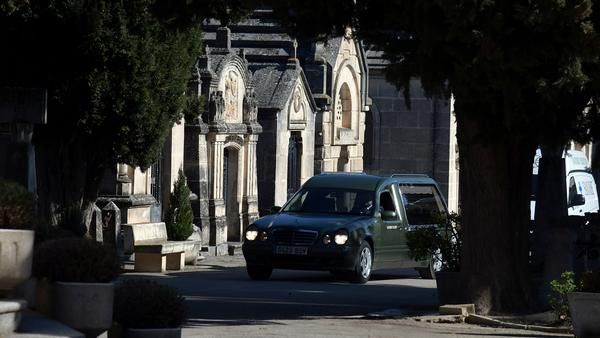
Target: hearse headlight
<point>251,233</point>
<point>263,236</point>
<point>341,237</point>
<point>326,239</point>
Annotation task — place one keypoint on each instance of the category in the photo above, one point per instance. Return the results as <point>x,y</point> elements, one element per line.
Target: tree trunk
<point>554,252</point>
<point>495,177</point>
<point>68,174</point>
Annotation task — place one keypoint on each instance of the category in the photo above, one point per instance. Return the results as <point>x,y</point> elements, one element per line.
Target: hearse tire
<point>259,272</point>
<point>364,264</point>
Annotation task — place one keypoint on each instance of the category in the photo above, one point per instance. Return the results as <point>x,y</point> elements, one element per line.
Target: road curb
<point>487,321</point>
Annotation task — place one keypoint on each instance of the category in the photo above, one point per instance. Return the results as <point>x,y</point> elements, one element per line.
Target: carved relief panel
<point>233,89</point>
<point>297,110</point>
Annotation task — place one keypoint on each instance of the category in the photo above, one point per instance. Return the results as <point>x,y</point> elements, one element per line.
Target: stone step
<point>234,248</point>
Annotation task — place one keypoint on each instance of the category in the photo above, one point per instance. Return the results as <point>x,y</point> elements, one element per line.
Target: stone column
<point>250,198</point>
<point>218,224</point>
<point>197,172</point>
<point>123,180</point>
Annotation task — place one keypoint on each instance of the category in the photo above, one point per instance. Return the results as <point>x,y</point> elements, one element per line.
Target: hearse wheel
<point>364,264</point>
<point>259,272</point>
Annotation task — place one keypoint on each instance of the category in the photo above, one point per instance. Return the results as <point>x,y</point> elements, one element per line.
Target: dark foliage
<point>16,206</point>
<point>590,282</point>
<point>145,304</point>
<point>441,243</point>
<point>75,260</point>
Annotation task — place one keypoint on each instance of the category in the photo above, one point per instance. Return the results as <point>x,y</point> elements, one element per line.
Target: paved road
<point>219,289</point>
<point>224,302</point>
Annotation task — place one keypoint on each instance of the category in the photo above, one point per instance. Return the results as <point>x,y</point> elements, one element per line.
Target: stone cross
<point>295,45</point>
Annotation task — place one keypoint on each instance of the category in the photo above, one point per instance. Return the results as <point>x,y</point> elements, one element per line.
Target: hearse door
<point>390,230</point>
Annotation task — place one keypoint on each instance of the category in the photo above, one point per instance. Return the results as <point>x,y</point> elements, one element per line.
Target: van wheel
<point>364,264</point>
<point>435,265</point>
<point>259,272</point>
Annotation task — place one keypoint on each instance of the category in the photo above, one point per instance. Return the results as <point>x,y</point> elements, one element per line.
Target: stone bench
<point>153,252</point>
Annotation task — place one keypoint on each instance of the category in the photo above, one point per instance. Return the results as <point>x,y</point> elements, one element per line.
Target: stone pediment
<point>298,107</point>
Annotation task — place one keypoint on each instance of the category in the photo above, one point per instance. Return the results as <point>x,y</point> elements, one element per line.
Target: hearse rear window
<point>422,203</point>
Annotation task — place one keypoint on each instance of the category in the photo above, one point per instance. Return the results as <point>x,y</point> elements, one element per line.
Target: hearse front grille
<point>295,237</point>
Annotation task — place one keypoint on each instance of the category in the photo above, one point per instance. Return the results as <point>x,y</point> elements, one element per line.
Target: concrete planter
<point>585,312</point>
<point>154,333</point>
<point>16,254</point>
<point>86,307</point>
<point>449,287</point>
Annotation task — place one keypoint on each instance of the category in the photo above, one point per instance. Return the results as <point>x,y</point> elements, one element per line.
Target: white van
<point>582,194</point>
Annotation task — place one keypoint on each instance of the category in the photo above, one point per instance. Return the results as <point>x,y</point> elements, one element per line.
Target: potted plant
<point>584,305</point>
<point>81,274</point>
<point>16,234</point>
<point>440,244</point>
<point>144,308</point>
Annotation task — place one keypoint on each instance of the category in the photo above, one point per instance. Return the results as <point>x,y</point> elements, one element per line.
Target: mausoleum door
<point>230,194</point>
<point>294,164</point>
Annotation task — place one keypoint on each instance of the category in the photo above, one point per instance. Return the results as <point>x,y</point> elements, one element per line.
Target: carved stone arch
<point>234,141</point>
<point>232,80</point>
<point>235,61</point>
<point>347,104</point>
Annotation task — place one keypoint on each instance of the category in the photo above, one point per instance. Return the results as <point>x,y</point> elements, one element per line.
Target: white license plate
<point>291,250</point>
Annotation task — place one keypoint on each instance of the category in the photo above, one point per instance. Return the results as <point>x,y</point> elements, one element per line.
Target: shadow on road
<point>224,295</point>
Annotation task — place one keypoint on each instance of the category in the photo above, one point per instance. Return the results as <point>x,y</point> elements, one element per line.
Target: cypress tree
<point>179,216</point>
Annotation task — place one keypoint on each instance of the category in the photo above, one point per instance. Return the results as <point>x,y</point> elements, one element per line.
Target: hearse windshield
<point>332,201</point>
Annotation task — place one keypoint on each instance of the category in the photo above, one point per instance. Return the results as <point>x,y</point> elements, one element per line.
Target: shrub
<point>179,216</point>
<point>16,206</point>
<point>75,260</point>
<point>145,304</point>
<point>558,297</point>
<point>442,242</point>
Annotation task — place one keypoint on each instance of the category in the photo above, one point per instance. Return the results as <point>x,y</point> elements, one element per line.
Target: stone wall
<point>403,140</point>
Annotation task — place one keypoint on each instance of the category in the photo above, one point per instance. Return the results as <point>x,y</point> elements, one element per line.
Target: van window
<point>422,203</point>
<point>572,189</point>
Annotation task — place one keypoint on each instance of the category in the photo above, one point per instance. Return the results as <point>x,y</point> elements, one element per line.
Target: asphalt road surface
<point>224,302</point>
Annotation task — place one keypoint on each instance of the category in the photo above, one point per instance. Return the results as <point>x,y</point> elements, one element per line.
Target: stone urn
<point>154,333</point>
<point>86,307</point>
<point>585,313</point>
<point>16,255</point>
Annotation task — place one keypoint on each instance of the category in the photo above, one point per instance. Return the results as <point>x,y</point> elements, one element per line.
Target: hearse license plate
<point>291,250</point>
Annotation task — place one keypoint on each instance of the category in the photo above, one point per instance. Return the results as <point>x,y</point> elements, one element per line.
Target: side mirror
<point>275,209</point>
<point>575,200</point>
<point>388,215</point>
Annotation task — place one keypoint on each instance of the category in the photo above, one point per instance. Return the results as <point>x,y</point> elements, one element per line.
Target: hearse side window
<point>386,202</point>
<point>422,203</point>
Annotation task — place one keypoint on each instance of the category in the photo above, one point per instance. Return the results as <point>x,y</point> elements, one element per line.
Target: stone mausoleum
<point>278,111</point>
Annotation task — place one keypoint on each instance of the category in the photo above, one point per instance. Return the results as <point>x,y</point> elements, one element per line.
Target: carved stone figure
<point>231,93</point>
<point>216,106</point>
<point>250,106</point>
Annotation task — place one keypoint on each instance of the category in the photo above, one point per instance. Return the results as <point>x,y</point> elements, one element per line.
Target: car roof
<point>413,179</point>
<point>345,179</point>
<point>359,180</point>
